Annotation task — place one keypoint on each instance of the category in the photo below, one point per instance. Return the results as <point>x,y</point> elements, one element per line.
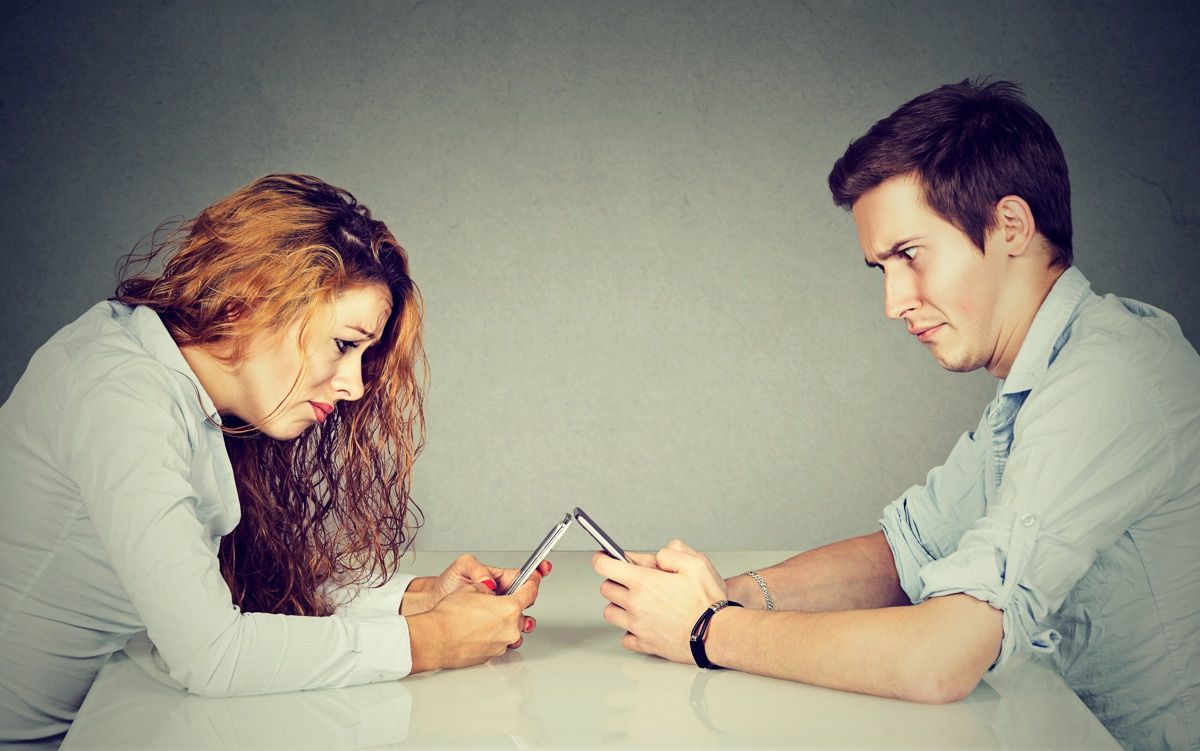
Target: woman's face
<point>337,337</point>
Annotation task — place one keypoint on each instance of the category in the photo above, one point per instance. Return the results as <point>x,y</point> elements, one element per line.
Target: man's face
<point>934,278</point>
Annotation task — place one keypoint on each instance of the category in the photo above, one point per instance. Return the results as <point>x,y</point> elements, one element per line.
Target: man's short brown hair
<point>970,144</point>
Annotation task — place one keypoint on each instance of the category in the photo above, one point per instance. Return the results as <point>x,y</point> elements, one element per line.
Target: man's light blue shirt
<point>1074,507</point>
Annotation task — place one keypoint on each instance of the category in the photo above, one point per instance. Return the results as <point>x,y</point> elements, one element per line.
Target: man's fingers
<point>642,559</point>
<point>615,593</point>
<point>619,571</point>
<point>681,546</point>
<point>673,560</point>
<point>617,616</point>
<point>632,643</point>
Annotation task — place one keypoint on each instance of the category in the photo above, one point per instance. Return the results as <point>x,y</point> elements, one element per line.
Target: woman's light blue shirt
<point>1074,507</point>
<point>116,490</point>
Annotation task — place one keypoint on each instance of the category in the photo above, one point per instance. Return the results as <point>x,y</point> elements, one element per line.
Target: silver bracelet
<point>762,585</point>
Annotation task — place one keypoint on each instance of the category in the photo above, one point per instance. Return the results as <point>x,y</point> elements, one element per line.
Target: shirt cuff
<point>383,647</point>
<point>368,601</point>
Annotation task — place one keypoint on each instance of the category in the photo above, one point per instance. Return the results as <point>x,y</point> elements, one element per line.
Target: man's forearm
<point>852,574</point>
<point>934,652</point>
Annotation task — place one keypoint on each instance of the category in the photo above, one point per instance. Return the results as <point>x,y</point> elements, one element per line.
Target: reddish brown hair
<point>333,504</point>
<point>970,144</point>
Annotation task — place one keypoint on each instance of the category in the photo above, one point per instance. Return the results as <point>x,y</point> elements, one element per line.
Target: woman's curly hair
<point>332,506</point>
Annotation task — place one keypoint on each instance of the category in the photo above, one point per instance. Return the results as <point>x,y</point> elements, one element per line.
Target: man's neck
<point>1024,300</point>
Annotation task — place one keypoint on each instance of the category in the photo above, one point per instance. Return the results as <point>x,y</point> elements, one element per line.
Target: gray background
<point>640,298</point>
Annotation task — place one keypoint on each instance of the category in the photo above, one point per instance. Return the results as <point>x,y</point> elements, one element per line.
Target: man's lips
<point>925,333</point>
<point>321,410</point>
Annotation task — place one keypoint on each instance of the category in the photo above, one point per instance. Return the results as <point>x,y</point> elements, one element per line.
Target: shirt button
<point>1028,520</point>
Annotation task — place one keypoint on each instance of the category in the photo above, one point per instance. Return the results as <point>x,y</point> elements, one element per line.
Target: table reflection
<point>572,685</point>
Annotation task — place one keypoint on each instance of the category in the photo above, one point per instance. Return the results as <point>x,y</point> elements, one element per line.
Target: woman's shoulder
<point>111,347</point>
<point>94,379</point>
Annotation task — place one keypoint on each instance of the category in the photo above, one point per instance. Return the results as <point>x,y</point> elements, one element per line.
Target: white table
<point>572,685</point>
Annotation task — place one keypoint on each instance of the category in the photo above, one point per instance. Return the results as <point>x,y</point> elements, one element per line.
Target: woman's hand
<point>658,601</point>
<point>425,592</point>
<point>468,627</point>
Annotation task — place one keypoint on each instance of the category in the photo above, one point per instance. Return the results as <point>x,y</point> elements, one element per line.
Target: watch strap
<point>700,633</point>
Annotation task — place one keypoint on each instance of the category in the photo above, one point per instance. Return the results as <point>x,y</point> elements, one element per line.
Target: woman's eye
<point>909,253</point>
<point>343,345</point>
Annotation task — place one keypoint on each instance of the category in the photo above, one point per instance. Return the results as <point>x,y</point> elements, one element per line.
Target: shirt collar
<point>1047,333</point>
<point>145,325</point>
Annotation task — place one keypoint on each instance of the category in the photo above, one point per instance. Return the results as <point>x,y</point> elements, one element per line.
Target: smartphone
<point>539,554</point>
<point>606,542</point>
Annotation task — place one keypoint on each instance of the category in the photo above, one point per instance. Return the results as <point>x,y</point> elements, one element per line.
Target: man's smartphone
<point>539,554</point>
<point>610,546</point>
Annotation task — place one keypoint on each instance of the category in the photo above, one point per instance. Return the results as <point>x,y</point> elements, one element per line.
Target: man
<point>1067,522</point>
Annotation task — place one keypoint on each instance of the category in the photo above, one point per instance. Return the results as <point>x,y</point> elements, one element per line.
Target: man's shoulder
<point>1114,335</point>
<point>1122,362</point>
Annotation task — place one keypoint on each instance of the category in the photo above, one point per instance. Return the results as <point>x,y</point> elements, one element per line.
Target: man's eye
<point>343,345</point>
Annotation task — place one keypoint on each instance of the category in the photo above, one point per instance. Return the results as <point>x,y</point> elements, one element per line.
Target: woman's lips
<point>321,410</point>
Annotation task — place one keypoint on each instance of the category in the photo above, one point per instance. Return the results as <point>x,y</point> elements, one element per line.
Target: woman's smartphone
<point>610,546</point>
<point>539,554</point>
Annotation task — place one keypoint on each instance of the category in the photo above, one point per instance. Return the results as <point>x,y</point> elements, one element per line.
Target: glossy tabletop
<point>571,685</point>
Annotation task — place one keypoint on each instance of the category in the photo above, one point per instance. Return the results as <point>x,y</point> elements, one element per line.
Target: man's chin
<point>960,364</point>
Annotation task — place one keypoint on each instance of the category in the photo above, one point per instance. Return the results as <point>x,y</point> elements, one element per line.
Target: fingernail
<point>489,584</point>
<point>528,625</point>
<point>549,566</point>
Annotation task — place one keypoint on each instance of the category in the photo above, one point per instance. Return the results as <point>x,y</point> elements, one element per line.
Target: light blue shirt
<point>115,490</point>
<point>1074,507</point>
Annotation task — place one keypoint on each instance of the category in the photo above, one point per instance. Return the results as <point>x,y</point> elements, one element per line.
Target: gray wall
<point>640,298</point>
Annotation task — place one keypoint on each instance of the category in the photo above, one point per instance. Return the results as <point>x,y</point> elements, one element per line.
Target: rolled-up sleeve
<point>927,521</point>
<point>1091,454</point>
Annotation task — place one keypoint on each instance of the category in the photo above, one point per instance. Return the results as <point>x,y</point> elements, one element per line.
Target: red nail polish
<point>549,566</point>
<point>489,584</point>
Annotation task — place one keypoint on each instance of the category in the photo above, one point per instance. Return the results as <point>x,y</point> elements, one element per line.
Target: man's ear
<point>1015,230</point>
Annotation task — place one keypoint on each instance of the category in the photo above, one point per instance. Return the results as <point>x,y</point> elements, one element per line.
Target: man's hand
<point>658,600</point>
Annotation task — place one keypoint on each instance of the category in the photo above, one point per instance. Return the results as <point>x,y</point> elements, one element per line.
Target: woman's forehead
<point>365,307</point>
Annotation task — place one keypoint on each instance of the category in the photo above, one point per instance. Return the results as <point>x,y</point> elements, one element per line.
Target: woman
<point>220,455</point>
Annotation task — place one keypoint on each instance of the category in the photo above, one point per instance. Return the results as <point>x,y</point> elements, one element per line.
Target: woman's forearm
<point>416,597</point>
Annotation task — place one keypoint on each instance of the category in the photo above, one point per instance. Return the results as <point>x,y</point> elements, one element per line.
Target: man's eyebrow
<point>895,249</point>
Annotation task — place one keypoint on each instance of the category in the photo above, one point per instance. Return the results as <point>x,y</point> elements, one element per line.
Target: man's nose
<point>899,293</point>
